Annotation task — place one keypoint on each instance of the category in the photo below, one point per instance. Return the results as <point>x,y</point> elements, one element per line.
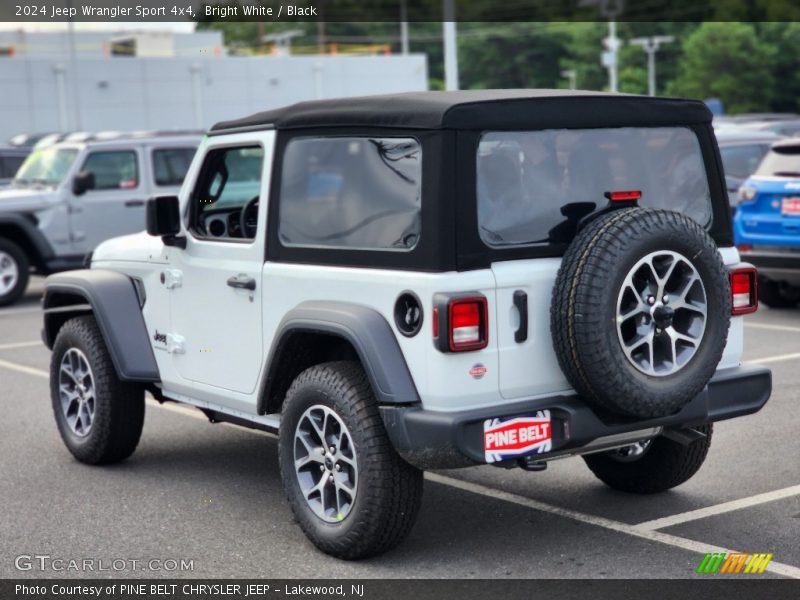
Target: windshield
<point>534,186</point>
<point>782,161</point>
<point>47,166</point>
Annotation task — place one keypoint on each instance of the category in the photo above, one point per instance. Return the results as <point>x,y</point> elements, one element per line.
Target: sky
<point>184,27</point>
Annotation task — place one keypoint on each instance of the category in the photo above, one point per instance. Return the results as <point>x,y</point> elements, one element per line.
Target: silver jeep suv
<point>68,197</point>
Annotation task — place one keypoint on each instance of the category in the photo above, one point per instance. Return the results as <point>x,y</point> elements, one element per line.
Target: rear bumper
<point>439,440</point>
<point>775,263</point>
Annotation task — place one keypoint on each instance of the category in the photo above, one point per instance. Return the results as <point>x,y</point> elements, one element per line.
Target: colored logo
<point>733,562</point>
<point>478,370</point>
<point>512,437</point>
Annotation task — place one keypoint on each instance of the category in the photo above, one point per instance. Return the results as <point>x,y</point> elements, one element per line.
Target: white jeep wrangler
<point>425,281</point>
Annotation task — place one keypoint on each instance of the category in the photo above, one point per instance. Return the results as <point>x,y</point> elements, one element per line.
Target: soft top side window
<point>351,193</point>
<point>171,164</point>
<point>224,204</point>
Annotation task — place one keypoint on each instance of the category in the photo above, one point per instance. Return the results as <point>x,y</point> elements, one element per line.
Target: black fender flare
<point>27,227</point>
<point>116,304</point>
<point>365,329</point>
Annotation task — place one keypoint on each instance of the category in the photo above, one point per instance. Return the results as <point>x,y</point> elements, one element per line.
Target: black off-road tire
<point>23,268</point>
<point>774,295</point>
<point>664,465</point>
<point>389,491</point>
<point>583,311</point>
<point>118,407</point>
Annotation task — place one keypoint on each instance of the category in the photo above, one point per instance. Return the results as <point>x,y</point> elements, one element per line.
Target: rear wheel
<point>776,294</point>
<point>99,417</point>
<point>651,466</point>
<point>351,493</point>
<point>14,272</point>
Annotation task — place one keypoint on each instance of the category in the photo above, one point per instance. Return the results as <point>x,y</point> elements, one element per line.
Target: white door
<point>216,286</point>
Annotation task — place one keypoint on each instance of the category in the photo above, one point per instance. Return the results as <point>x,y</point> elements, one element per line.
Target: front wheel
<point>14,272</point>
<point>99,417</point>
<point>351,493</point>
<point>651,466</point>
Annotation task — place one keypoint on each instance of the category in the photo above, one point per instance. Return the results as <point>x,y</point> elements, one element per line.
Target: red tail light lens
<point>744,290</point>
<point>467,324</point>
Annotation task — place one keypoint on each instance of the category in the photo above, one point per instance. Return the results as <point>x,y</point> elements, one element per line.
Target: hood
<point>139,247</point>
<point>14,199</point>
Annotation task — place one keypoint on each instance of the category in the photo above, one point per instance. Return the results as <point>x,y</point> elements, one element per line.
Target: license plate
<point>790,206</point>
<point>521,435</point>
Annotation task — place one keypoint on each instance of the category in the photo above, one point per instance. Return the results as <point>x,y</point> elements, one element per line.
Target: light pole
<point>610,9</point>
<point>450,46</point>
<point>571,75</point>
<point>651,45</point>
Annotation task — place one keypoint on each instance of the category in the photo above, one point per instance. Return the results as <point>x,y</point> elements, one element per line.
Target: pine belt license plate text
<point>791,206</point>
<point>512,437</point>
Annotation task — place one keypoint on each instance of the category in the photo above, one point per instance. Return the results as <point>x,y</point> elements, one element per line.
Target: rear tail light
<point>461,322</point>
<point>746,193</point>
<point>744,290</point>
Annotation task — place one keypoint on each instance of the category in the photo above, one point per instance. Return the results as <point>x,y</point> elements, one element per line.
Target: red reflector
<point>624,195</point>
<point>435,322</point>
<point>745,247</point>
<point>744,291</point>
<point>468,324</point>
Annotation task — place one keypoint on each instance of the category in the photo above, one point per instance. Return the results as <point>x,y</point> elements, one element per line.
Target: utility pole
<point>610,9</point>
<point>73,67</point>
<point>450,46</point>
<point>403,27</point>
<point>571,75</point>
<point>651,45</point>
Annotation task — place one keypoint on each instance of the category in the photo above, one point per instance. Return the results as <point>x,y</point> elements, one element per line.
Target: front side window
<point>351,192</point>
<point>47,166</point>
<point>9,165</point>
<point>225,201</point>
<point>113,170</point>
<point>534,186</point>
<point>170,165</point>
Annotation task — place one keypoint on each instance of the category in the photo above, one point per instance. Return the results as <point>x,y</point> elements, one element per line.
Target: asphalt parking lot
<point>212,494</point>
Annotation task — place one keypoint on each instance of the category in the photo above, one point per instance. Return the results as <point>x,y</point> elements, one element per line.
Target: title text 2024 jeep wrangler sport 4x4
<point>421,281</point>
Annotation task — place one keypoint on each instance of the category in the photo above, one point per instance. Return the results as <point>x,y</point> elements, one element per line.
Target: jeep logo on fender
<point>517,436</point>
<point>160,338</point>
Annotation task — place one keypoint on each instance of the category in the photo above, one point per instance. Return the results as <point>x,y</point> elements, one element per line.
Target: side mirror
<point>83,182</point>
<point>164,219</point>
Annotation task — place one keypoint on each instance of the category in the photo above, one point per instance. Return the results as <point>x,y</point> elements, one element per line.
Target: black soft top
<point>479,110</point>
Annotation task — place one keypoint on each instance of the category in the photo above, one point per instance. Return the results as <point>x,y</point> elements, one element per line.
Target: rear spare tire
<point>640,312</point>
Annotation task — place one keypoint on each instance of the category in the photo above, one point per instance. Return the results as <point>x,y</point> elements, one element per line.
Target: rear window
<point>534,186</point>
<point>351,192</point>
<point>781,161</point>
<point>171,164</point>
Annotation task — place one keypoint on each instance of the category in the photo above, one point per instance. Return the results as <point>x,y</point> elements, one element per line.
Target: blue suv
<point>767,224</point>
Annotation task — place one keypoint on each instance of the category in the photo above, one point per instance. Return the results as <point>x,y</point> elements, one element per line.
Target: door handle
<point>132,203</point>
<point>521,302</point>
<point>242,282</point>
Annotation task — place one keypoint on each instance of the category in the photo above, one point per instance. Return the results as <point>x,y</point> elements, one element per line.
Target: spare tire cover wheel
<point>640,311</point>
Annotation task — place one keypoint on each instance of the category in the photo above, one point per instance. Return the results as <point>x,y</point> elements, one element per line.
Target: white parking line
<point>769,327</point>
<point>776,358</point>
<point>16,345</point>
<point>644,530</point>
<point>23,369</point>
<point>10,312</point>
<point>718,509</point>
<point>632,530</point>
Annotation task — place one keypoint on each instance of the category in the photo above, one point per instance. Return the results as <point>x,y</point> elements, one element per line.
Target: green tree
<point>726,61</point>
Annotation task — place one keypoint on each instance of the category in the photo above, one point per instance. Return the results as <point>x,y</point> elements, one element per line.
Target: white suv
<point>422,281</point>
